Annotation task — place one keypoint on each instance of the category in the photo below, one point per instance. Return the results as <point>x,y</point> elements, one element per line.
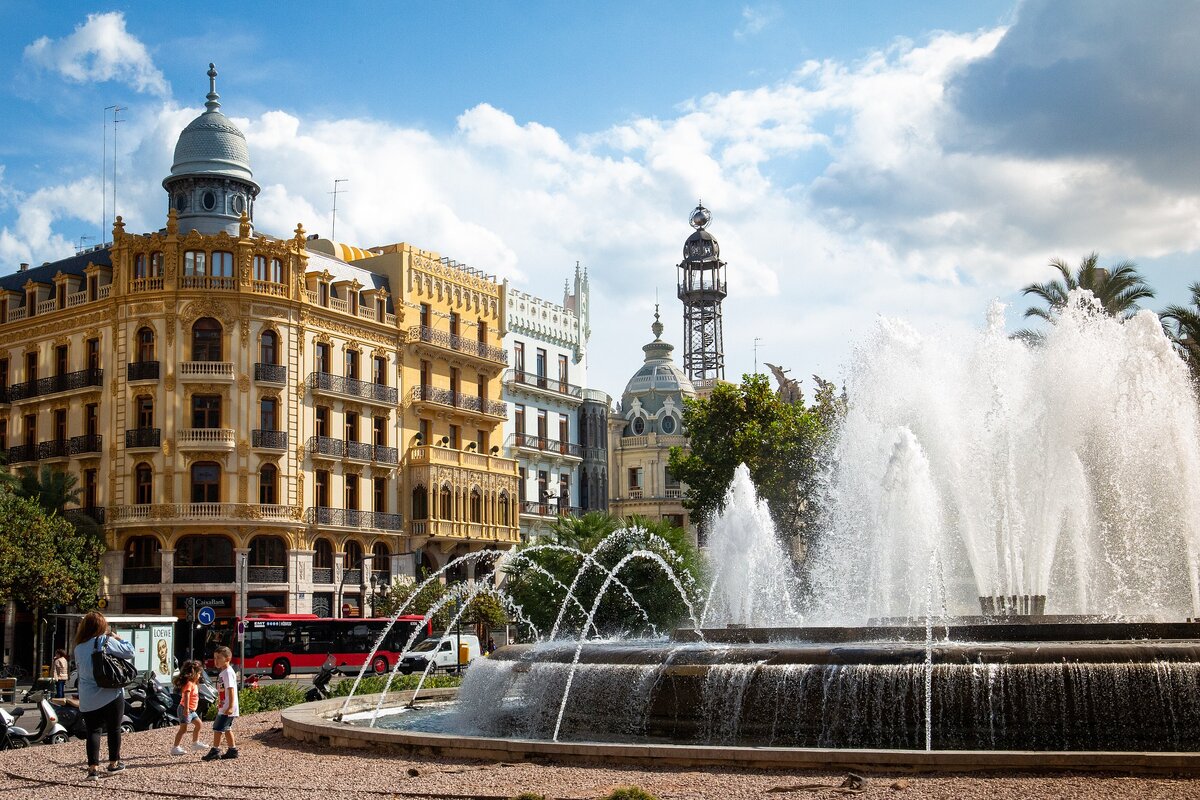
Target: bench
<point>8,686</point>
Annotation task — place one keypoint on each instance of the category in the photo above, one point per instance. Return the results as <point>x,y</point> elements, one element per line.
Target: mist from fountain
<point>1066,469</point>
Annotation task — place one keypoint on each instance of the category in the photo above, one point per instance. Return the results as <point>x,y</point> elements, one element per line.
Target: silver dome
<point>211,145</point>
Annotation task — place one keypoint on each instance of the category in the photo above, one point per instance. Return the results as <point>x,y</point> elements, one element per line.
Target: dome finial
<point>213,98</point>
<point>657,327</point>
<point>701,216</point>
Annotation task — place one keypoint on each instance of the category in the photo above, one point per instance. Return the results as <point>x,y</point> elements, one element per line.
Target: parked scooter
<point>12,737</point>
<point>206,693</point>
<point>320,687</point>
<point>150,705</point>
<point>49,730</point>
<point>69,715</point>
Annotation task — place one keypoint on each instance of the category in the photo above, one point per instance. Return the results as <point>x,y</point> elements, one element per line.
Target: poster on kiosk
<point>152,637</point>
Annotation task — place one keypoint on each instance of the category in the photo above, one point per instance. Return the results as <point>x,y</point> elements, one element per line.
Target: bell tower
<point>702,288</point>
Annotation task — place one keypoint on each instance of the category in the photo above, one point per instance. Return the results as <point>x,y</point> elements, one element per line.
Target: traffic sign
<point>206,615</point>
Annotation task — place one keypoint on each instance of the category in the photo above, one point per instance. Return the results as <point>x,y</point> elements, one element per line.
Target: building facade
<point>546,392</point>
<point>646,424</point>
<point>263,423</point>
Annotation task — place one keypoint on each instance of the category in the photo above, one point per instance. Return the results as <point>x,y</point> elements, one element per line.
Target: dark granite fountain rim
<point>964,630</point>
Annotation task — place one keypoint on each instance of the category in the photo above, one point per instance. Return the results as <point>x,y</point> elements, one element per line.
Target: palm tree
<point>52,489</point>
<point>1117,289</point>
<point>1182,324</point>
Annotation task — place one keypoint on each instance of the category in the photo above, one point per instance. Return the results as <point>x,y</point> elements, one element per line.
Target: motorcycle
<point>49,730</point>
<point>320,687</point>
<point>150,705</point>
<point>11,736</point>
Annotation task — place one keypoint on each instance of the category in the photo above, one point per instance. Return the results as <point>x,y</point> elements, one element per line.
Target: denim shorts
<point>223,723</point>
<point>186,717</point>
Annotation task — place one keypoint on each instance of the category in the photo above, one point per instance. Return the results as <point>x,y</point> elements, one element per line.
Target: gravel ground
<point>271,766</point>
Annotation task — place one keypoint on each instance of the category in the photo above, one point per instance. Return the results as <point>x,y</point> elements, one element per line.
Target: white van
<point>450,653</point>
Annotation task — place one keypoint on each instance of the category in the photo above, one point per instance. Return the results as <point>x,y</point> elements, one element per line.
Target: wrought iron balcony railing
<point>143,437</point>
<point>141,575</point>
<point>322,574</point>
<point>270,373</point>
<point>81,515</point>
<point>361,451</point>
<point>519,378</point>
<point>468,402</point>
<point>267,574</point>
<point>550,509</point>
<point>22,452</point>
<point>352,577</point>
<point>206,574</point>
<point>352,387</point>
<point>57,383</point>
<point>269,440</point>
<point>450,341</point>
<point>353,518</point>
<point>141,371</point>
<point>65,448</point>
<point>544,444</point>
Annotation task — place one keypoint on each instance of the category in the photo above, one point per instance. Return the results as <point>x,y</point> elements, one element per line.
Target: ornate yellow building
<point>261,423</point>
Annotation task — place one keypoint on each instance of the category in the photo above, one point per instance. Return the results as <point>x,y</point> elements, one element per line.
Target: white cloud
<point>840,193</point>
<point>100,49</point>
<point>755,20</point>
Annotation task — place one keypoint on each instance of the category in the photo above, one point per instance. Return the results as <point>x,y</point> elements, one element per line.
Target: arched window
<point>322,556</point>
<point>195,263</point>
<point>476,506</point>
<point>260,268</point>
<point>222,264</point>
<point>269,347</point>
<point>276,272</point>
<point>504,518</point>
<point>268,551</point>
<point>209,550</point>
<point>420,503</point>
<point>206,482</point>
<point>445,503</point>
<point>381,563</point>
<point>145,345</point>
<point>141,266</point>
<point>268,479</point>
<point>142,554</point>
<point>144,484</point>
<point>156,265</point>
<point>206,340</point>
<point>354,555</point>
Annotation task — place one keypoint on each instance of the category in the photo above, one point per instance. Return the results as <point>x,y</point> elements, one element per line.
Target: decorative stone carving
<point>243,383</point>
<point>207,307</point>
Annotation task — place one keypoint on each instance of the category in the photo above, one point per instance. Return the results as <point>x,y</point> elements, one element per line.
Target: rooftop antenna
<point>116,110</point>
<point>104,173</point>
<point>79,247</point>
<point>757,339</point>
<point>336,191</point>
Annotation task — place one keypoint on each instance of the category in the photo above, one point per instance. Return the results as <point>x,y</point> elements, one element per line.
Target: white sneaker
<point>177,750</point>
<point>200,747</point>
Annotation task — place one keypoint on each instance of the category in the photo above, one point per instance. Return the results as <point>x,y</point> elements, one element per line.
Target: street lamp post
<point>245,613</point>
<point>342,585</point>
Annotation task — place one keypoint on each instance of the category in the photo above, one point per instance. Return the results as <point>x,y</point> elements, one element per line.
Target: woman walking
<point>102,708</point>
<point>60,673</point>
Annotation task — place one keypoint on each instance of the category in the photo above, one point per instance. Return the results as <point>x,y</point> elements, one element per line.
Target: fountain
<point>1008,564</point>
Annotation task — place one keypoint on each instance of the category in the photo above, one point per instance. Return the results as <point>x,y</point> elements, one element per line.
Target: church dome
<point>211,145</point>
<point>657,379</point>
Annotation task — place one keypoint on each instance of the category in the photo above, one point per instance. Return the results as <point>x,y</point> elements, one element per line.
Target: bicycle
<point>12,671</point>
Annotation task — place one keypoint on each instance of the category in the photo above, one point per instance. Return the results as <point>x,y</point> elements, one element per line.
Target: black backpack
<point>110,671</point>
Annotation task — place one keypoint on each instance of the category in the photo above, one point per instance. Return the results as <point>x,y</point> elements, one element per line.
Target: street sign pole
<point>190,605</point>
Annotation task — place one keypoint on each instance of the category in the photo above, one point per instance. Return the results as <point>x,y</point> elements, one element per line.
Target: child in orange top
<point>189,696</point>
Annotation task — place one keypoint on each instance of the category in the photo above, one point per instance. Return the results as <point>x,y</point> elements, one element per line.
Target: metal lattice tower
<point>702,288</point>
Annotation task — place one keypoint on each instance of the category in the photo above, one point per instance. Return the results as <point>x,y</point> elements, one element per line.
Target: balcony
<point>322,575</point>
<point>267,574</point>
<point>142,576</point>
<point>328,383</point>
<point>550,509</point>
<point>137,285</point>
<point>271,288</point>
<point>22,452</point>
<point>426,455</point>
<point>527,441</point>
<point>270,373</point>
<point>207,437</point>
<point>146,512</point>
<point>352,577</point>
<point>143,437</point>
<point>80,516</point>
<point>319,446</point>
<point>269,440</point>
<point>466,402</point>
<point>519,380</point>
<point>66,448</point>
<point>221,574</point>
<point>353,518</point>
<point>208,282</point>
<point>141,371</point>
<point>448,341</point>
<point>206,370</point>
<point>635,493</point>
<point>445,529</point>
<point>56,383</point>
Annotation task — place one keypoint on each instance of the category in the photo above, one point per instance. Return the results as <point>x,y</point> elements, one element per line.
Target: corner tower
<point>211,184</point>
<point>702,288</point>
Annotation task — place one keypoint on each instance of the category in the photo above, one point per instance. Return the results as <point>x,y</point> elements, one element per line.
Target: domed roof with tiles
<point>658,378</point>
<point>211,144</point>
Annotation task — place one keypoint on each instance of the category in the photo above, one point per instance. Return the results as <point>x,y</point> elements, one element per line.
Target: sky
<point>860,159</point>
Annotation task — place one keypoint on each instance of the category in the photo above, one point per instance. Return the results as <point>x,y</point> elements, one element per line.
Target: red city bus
<point>280,644</point>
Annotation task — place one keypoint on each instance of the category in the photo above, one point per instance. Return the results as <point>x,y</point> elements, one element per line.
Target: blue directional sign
<point>206,615</point>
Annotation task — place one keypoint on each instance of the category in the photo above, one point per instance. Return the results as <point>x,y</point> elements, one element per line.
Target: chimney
<point>24,266</point>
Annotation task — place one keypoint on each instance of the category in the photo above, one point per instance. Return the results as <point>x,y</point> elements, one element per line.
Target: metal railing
<point>517,377</point>
<point>473,347</point>
<point>80,515</point>
<point>141,371</point>
<point>543,444</point>
<point>22,452</point>
<point>141,575</point>
<point>270,373</point>
<point>270,440</point>
<point>267,574</point>
<point>550,509</point>
<point>361,451</point>
<point>353,387</point>
<point>143,437</point>
<point>352,577</point>
<point>65,448</point>
<point>206,574</point>
<point>322,575</point>
<point>353,518</point>
<point>468,402</point>
<point>57,383</point>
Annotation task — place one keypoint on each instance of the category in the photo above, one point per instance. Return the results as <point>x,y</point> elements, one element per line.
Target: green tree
<point>781,443</point>
<point>1117,289</point>
<point>51,489</point>
<point>1182,324</point>
<point>393,598</point>
<point>540,596</point>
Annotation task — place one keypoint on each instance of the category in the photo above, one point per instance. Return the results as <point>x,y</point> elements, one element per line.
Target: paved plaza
<point>271,766</point>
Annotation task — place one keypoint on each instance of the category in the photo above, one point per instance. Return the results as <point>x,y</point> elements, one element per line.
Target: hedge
<point>277,695</point>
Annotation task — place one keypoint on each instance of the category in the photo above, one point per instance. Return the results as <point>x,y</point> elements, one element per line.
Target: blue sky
<point>911,160</point>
